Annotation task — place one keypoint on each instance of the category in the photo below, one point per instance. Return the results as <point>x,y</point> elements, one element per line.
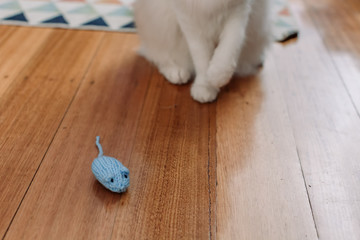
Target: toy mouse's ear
<point>124,170</point>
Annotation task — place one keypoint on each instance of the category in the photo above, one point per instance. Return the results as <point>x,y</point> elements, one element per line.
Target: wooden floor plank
<point>65,201</point>
<point>261,192</point>
<point>168,158</point>
<point>169,196</point>
<point>283,147</point>
<point>33,106</point>
<point>339,25</point>
<point>326,127</point>
<point>5,32</point>
<point>17,47</point>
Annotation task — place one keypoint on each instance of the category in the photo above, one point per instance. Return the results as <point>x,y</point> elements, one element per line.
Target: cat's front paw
<point>204,93</point>
<point>176,75</point>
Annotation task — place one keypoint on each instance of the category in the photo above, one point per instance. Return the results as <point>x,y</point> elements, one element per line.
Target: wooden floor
<point>277,157</point>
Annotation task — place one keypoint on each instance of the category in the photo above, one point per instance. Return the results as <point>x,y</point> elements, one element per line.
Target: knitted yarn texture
<point>110,172</point>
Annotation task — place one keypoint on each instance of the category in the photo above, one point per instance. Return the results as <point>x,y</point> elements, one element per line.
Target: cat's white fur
<point>212,39</point>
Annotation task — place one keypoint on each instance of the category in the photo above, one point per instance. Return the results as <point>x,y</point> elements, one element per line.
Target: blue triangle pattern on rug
<point>97,22</point>
<point>73,14</point>
<point>114,15</point>
<point>59,19</point>
<point>130,25</point>
<point>18,17</point>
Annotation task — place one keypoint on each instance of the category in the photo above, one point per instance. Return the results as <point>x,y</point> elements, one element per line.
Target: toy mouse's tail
<point>99,146</point>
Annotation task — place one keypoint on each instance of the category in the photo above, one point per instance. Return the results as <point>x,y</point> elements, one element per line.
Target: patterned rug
<point>110,15</point>
<point>284,25</point>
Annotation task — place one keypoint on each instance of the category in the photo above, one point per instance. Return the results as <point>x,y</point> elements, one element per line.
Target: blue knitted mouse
<point>110,172</point>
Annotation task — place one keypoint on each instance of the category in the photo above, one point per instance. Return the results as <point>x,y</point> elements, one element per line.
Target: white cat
<point>212,39</point>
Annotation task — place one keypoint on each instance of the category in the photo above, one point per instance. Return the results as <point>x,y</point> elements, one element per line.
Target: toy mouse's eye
<point>125,176</point>
<point>112,180</point>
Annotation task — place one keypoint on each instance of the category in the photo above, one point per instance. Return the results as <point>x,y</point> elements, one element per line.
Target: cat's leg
<point>176,66</point>
<point>201,49</point>
<point>162,41</point>
<point>201,46</point>
<point>258,39</point>
<point>224,62</point>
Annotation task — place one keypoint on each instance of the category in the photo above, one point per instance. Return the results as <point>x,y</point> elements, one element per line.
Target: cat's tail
<point>99,146</point>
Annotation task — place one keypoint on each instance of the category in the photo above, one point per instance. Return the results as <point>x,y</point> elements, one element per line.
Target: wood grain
<point>326,128</point>
<point>33,106</point>
<point>17,47</point>
<point>170,197</point>
<point>169,160</point>
<point>338,24</point>
<point>277,157</point>
<point>166,152</point>
<point>65,201</point>
<point>261,192</point>
<point>5,32</point>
